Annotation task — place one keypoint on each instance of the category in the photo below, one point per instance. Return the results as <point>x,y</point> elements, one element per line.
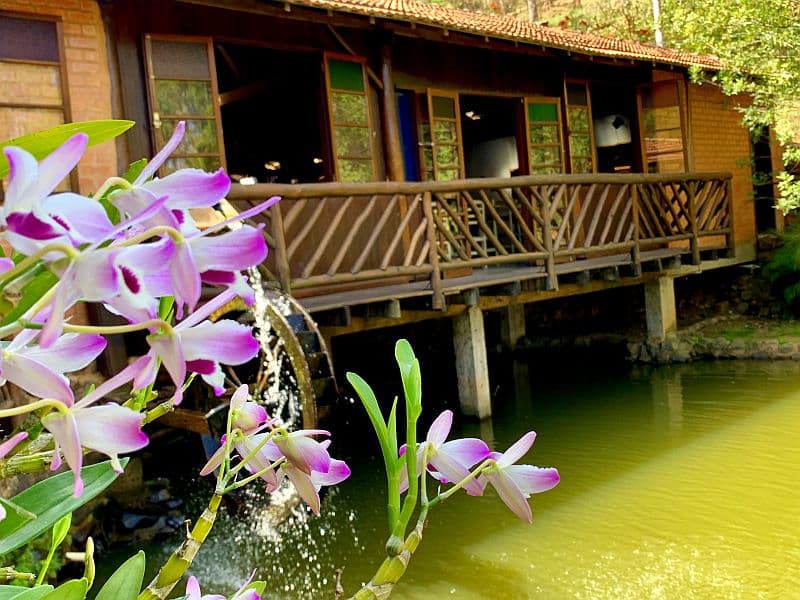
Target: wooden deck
<point>336,246</point>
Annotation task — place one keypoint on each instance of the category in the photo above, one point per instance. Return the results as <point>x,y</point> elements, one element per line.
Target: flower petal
<point>517,450</point>
<point>467,451</point>
<point>216,379</point>
<point>231,251</point>
<point>11,442</point>
<point>56,166</point>
<point>338,472</point>
<point>159,159</point>
<point>454,472</point>
<point>250,417</point>
<point>304,486</point>
<point>533,480</point>
<point>191,188</point>
<point>510,494</point>
<point>440,428</point>
<point>168,348</point>
<point>111,429</point>
<point>214,462</point>
<point>225,341</point>
<point>23,169</point>
<point>84,219</point>
<point>65,434</point>
<point>304,453</point>
<point>185,278</point>
<point>70,352</point>
<point>37,378</point>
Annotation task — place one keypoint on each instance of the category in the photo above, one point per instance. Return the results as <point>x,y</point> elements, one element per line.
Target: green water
<point>679,482</point>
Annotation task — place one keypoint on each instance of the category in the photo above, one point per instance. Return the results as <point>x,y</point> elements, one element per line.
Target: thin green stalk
<point>115,329</point>
<point>113,182</point>
<point>475,472</point>
<point>236,485</point>
<point>250,456</point>
<point>177,564</point>
<point>10,574</point>
<point>410,501</point>
<point>33,406</point>
<point>31,260</point>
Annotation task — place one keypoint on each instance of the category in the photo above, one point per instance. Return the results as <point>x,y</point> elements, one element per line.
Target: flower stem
<point>475,472</point>
<point>31,260</point>
<point>113,182</point>
<point>21,410</point>
<point>177,564</point>
<point>236,485</point>
<point>249,457</point>
<point>114,329</point>
<point>151,233</point>
<point>10,574</point>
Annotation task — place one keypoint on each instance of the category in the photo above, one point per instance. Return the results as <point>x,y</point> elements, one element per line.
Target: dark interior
<point>485,120</point>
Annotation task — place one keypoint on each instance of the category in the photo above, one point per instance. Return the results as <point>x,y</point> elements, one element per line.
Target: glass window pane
<point>207,163</point>
<point>444,107</point>
<point>542,112</point>
<point>545,155</point>
<point>581,165</point>
<point>425,132</point>
<point>546,170</point>
<point>28,39</point>
<point>355,170</point>
<point>352,141</point>
<point>15,122</point>
<point>349,108</point>
<point>448,174</point>
<point>447,156</point>
<point>580,145</point>
<point>173,59</point>
<point>184,98</point>
<point>544,134</point>
<point>346,75</point>
<point>576,94</point>
<point>445,131</point>
<point>30,84</point>
<point>578,118</point>
<point>201,136</point>
<point>662,118</point>
<point>427,157</point>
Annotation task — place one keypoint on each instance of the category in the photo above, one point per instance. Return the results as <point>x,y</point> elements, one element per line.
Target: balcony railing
<point>334,237</point>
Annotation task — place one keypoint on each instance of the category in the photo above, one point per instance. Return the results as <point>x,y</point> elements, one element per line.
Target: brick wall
<point>720,142</point>
<point>89,85</point>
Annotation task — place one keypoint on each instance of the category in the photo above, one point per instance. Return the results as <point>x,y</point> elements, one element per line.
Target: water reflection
<point>677,482</point>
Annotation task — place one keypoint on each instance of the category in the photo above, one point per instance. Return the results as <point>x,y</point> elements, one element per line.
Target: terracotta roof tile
<point>503,27</point>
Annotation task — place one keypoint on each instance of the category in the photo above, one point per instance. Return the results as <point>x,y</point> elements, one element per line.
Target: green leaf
<point>392,431</point>
<point>31,292</point>
<point>125,582</point>
<point>15,513</point>
<point>258,586</point>
<point>42,143</point>
<point>134,169</point>
<point>370,403</point>
<point>50,500</point>
<point>13,592</point>
<point>410,374</point>
<point>60,530</point>
<point>72,590</point>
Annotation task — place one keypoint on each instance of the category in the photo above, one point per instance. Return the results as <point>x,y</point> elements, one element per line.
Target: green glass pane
<point>580,145</point>
<point>545,155</point>
<point>581,165</point>
<point>544,134</point>
<point>444,107</point>
<point>579,118</point>
<point>448,174</point>
<point>184,98</point>
<point>547,170</point>
<point>355,170</point>
<point>427,157</point>
<point>542,112</point>
<point>352,142</point>
<point>444,131</point>
<point>207,163</point>
<point>200,137</point>
<point>446,155</point>
<point>346,75</point>
<point>349,108</point>
<point>425,132</point>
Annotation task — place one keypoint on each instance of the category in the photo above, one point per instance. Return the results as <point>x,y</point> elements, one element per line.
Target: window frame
<point>682,113</point>
<point>559,124</point>
<point>568,137</point>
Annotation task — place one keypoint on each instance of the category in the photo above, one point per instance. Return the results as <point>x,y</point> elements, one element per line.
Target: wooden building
<point>433,162</point>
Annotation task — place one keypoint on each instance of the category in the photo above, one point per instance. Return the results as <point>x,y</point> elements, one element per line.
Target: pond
<point>677,482</point>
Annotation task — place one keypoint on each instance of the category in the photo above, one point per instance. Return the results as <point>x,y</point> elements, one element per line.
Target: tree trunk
<point>533,10</point>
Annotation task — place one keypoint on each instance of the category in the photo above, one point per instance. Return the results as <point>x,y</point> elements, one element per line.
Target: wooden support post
<point>472,367</point>
<point>636,252</point>
<point>433,253</point>
<point>391,127</point>
<point>547,240</point>
<point>512,325</point>
<point>695,240</point>
<point>659,302</point>
<point>281,254</point>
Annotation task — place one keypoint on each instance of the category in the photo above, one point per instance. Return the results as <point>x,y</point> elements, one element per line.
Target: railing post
<point>695,241</point>
<point>636,251</point>
<point>729,239</point>
<point>281,257</point>
<point>547,240</point>
<point>433,252</point>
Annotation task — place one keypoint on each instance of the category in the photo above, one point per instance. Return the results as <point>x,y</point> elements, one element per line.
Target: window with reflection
<point>579,125</point>
<point>663,145</point>
<point>545,153</point>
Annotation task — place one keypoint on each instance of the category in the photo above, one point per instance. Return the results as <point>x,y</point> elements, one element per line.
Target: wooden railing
<point>336,236</point>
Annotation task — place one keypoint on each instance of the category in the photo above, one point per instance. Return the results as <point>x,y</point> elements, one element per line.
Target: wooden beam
<point>343,43</point>
<point>393,149</point>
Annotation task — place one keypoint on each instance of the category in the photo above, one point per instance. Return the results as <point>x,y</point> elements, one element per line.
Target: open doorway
<point>614,113</point>
<point>490,128</point>
<point>272,114</point>
<point>763,190</point>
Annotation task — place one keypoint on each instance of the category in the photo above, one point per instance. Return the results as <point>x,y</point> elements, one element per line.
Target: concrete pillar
<point>471,364</point>
<point>512,325</point>
<point>659,304</point>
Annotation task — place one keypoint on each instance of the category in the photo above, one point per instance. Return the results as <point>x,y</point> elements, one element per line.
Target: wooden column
<point>659,302</point>
<point>471,363</point>
<point>512,325</point>
<point>393,149</point>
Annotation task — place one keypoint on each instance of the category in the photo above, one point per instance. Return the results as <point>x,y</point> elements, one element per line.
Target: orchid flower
<point>40,371</point>
<point>515,483</point>
<point>193,591</point>
<point>308,485</point>
<point>248,416</point>
<point>305,453</point>
<point>448,462</point>
<point>5,448</point>
<point>34,218</point>
<point>185,189</point>
<point>110,429</point>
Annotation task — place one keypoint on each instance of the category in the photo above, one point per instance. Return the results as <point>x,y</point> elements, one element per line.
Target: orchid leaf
<point>134,169</point>
<point>370,403</point>
<point>14,592</point>
<point>410,374</point>
<point>392,432</point>
<point>31,292</point>
<point>50,500</point>
<point>42,143</point>
<point>60,530</point>
<point>125,582</point>
<point>71,590</point>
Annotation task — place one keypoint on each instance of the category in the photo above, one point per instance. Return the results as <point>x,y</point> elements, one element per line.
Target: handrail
<point>328,235</point>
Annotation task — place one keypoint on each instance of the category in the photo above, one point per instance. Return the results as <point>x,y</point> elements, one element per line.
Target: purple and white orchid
<point>447,462</point>
<point>243,593</point>
<point>515,483</point>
